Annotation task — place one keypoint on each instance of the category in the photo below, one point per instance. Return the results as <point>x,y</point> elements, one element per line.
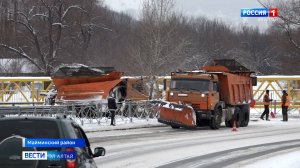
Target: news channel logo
<point>259,12</point>
<point>48,155</point>
<point>51,143</point>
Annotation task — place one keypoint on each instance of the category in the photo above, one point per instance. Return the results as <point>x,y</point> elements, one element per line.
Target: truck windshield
<point>190,84</point>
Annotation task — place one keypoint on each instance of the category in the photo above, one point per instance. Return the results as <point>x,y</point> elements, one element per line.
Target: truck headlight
<point>202,95</point>
<point>171,93</point>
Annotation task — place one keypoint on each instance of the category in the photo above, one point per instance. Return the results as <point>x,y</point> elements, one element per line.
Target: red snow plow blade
<point>177,115</point>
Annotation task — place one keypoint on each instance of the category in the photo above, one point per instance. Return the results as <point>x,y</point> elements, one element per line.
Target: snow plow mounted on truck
<point>86,87</point>
<point>80,83</point>
<point>220,92</point>
<point>83,84</point>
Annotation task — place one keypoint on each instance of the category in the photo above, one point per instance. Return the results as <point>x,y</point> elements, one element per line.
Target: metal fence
<point>276,84</point>
<point>24,89</point>
<point>85,113</point>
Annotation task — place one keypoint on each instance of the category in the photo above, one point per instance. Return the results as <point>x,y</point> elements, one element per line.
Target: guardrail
<point>92,112</point>
<point>29,89</point>
<point>24,89</point>
<point>20,103</point>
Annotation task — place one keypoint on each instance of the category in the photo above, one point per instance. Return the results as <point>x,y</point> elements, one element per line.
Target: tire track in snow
<point>149,144</point>
<point>230,157</point>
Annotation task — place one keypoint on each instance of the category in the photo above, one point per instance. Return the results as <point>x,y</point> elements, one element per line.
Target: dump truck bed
<point>235,81</point>
<point>235,89</point>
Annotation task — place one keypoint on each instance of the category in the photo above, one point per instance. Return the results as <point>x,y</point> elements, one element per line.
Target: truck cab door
<point>215,93</point>
<point>136,90</point>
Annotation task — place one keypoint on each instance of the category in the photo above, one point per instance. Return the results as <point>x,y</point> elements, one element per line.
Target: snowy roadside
<point>121,124</point>
<point>256,112</point>
<point>125,124</point>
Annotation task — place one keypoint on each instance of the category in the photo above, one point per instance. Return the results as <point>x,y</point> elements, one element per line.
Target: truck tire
<point>246,115</point>
<point>238,117</point>
<point>228,123</point>
<point>216,121</point>
<point>175,127</point>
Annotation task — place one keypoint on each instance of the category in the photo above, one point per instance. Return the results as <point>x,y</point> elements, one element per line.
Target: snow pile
<point>174,106</point>
<point>294,112</point>
<point>79,70</point>
<point>170,106</point>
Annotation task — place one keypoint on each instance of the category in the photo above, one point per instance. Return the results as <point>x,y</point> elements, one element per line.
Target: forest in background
<point>48,33</point>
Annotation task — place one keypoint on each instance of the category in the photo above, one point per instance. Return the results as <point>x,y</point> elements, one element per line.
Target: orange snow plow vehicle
<point>80,83</point>
<point>211,95</point>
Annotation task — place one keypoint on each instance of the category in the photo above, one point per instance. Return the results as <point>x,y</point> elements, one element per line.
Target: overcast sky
<point>227,10</point>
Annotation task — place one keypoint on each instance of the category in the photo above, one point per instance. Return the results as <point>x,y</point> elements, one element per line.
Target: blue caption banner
<point>254,12</point>
<point>49,143</point>
<point>54,155</point>
<point>48,155</point>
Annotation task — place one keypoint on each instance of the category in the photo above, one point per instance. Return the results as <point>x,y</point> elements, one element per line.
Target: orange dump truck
<point>80,83</point>
<point>216,93</point>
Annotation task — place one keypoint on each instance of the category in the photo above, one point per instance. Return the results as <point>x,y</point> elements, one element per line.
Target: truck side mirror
<point>165,84</point>
<point>216,87</point>
<point>254,81</point>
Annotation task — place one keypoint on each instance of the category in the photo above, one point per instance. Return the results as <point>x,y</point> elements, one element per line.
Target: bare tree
<point>160,44</point>
<point>42,26</point>
<point>254,47</point>
<point>289,14</point>
<point>211,39</point>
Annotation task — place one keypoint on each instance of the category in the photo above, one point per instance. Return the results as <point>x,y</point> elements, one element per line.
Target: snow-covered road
<point>203,147</point>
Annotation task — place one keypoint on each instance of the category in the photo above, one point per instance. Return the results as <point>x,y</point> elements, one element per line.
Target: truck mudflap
<point>177,115</point>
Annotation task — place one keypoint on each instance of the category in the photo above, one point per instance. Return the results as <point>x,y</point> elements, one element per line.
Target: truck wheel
<point>175,127</point>
<point>238,117</point>
<point>228,123</point>
<point>216,121</point>
<point>241,117</point>
<point>246,115</point>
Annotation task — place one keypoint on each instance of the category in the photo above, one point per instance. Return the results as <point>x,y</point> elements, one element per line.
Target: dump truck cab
<point>195,88</point>
<point>198,90</point>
